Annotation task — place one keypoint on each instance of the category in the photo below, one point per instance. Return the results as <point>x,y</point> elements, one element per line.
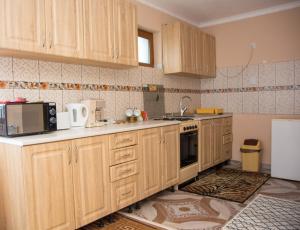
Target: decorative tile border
<point>92,87</point>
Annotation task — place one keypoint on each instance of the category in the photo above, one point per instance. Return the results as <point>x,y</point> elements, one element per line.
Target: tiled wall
<point>272,88</point>
<point>66,83</point>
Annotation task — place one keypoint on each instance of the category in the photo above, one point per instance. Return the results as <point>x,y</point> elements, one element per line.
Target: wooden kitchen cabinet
<point>217,142</point>
<point>64,28</point>
<point>22,25</point>
<point>91,179</point>
<point>150,153</point>
<point>206,147</point>
<point>170,148</point>
<point>48,187</point>
<point>188,51</point>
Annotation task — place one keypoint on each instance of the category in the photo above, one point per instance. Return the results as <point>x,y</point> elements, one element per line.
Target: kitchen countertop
<point>75,133</point>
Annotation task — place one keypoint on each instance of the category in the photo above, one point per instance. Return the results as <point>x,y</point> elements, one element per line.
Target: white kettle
<point>78,114</point>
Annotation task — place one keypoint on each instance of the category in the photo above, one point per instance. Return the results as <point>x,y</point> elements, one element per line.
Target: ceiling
<point>212,12</point>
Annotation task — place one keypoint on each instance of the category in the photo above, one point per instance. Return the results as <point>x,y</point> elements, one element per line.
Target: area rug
<point>266,212</point>
<point>120,223</point>
<point>228,184</point>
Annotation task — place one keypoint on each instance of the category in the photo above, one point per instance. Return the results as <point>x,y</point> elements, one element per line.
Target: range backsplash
<point>67,83</point>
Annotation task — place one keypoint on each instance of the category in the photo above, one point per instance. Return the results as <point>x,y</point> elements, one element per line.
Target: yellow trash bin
<point>251,155</point>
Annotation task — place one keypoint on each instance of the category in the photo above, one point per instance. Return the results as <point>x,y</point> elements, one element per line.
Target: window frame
<point>149,36</point>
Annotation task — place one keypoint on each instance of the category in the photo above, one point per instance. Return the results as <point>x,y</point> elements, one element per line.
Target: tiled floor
<point>182,210</point>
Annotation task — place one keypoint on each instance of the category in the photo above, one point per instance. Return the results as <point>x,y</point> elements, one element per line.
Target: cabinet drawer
<point>227,139</point>
<point>121,171</point>
<point>121,140</point>
<point>227,151</point>
<point>119,156</point>
<point>124,192</point>
<point>227,129</point>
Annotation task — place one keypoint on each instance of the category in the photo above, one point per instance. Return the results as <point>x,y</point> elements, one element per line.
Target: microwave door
<point>25,119</point>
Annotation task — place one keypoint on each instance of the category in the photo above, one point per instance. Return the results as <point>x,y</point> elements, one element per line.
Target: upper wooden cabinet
<point>64,29</point>
<point>22,25</point>
<point>188,51</point>
<point>101,32</point>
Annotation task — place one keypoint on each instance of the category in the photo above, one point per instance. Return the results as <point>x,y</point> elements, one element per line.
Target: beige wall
<point>276,35</point>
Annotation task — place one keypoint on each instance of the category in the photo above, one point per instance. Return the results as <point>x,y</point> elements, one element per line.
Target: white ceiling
<point>212,12</point>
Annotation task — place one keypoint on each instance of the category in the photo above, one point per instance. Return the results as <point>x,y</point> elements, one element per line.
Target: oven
<point>188,143</point>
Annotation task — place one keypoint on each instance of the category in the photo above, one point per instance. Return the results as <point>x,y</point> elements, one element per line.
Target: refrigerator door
<point>285,155</point>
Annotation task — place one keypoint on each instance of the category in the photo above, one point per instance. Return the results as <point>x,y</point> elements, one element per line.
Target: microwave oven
<point>20,119</point>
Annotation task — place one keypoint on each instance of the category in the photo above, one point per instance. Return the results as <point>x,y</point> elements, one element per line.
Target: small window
<point>145,48</point>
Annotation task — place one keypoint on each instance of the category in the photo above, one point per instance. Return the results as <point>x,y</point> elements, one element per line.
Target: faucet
<point>183,109</point>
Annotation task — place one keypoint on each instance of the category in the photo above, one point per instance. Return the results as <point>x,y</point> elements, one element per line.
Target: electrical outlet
<point>252,45</point>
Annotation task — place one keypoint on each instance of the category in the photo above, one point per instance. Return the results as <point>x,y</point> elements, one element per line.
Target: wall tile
<point>250,102</point>
<point>32,95</point>
<point>110,104</point>
<point>297,72</point>
<point>191,83</point>
<point>235,78</point>
<point>89,94</point>
<point>6,95</point>
<point>107,76</point>
<point>158,76</point>
<point>297,101</point>
<point>25,70</point>
<point>267,102</point>
<point>207,84</point>
<point>267,74</point>
<point>122,103</point>
<point>147,75</point>
<point>171,81</point>
<point>285,102</point>
<point>50,72</point>
<point>53,96</point>
<point>72,96</point>
<point>90,75</point>
<point>220,81</point>
<point>285,73</point>
<point>121,77</point>
<point>71,73</point>
<point>135,77</point>
<point>235,102</point>
<point>196,100</point>
<point>136,100</point>
<point>250,76</point>
<point>6,73</point>
<point>207,100</point>
<point>169,103</point>
<point>221,100</point>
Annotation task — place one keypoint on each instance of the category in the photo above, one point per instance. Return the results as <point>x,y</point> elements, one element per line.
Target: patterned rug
<point>229,184</point>
<point>267,213</point>
<point>120,223</point>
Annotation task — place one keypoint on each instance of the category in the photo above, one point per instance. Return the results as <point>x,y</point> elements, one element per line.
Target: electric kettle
<point>78,114</point>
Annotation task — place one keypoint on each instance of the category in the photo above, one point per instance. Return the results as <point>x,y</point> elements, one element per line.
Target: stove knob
<point>53,120</point>
<point>184,129</point>
<point>52,111</point>
<point>196,126</point>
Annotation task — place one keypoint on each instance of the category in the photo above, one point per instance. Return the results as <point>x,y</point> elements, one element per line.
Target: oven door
<point>188,148</point>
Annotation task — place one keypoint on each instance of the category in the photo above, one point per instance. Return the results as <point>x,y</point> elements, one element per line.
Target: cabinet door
<point>206,137</point>
<point>91,179</point>
<point>22,25</point>
<point>150,161</point>
<point>98,30</point>
<point>188,53</point>
<point>199,52</point>
<point>125,21</point>
<point>64,27</point>
<point>49,186</point>
<point>212,56</point>
<point>170,156</point>
<point>206,54</point>
<point>217,126</point>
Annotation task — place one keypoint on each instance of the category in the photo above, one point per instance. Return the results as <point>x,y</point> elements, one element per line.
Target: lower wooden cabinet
<point>91,179</point>
<point>215,141</point>
<point>150,155</point>
<point>170,148</point>
<point>48,187</point>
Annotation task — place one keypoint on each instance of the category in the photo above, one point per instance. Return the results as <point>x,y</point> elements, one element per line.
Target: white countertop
<point>75,133</point>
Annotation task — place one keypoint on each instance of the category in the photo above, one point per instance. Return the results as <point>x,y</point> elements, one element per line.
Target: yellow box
<point>251,162</point>
<point>209,111</point>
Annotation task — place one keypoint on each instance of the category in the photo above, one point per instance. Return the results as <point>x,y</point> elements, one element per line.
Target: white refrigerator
<point>285,155</point>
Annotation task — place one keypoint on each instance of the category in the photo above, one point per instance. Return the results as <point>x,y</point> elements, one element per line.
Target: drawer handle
<point>125,140</point>
<point>125,172</point>
<point>126,193</point>
<point>125,155</point>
